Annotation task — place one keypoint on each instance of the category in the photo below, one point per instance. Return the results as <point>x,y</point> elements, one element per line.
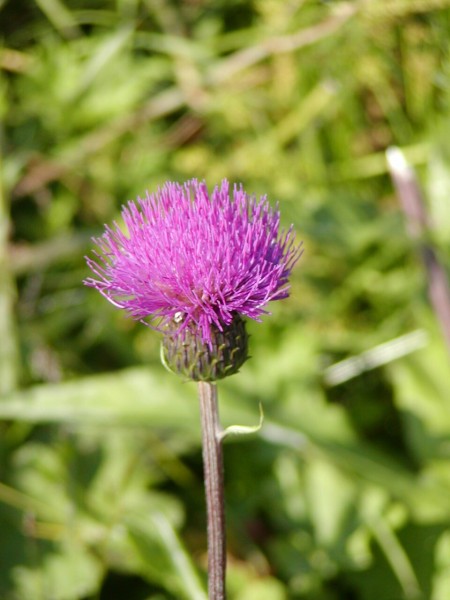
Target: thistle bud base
<point>187,355</point>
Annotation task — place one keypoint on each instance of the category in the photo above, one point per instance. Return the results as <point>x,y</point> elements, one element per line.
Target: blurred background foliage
<point>344,494</point>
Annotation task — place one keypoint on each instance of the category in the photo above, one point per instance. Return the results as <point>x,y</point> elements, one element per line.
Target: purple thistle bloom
<point>195,258</point>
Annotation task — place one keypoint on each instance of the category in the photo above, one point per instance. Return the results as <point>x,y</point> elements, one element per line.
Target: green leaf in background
<point>422,393</point>
<point>438,186</point>
<point>344,491</point>
<point>441,581</point>
<point>68,574</point>
<point>79,494</point>
<point>163,557</point>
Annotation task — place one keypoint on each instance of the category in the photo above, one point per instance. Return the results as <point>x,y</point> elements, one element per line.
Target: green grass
<point>343,493</point>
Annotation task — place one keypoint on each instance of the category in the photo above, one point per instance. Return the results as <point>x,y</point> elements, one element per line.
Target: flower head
<point>194,261</point>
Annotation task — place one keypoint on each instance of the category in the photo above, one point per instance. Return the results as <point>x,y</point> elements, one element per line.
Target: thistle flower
<point>192,264</point>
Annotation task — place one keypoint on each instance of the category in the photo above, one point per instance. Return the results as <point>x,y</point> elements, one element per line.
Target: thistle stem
<point>214,490</point>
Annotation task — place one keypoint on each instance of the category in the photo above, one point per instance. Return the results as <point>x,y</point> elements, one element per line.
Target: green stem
<point>214,489</point>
